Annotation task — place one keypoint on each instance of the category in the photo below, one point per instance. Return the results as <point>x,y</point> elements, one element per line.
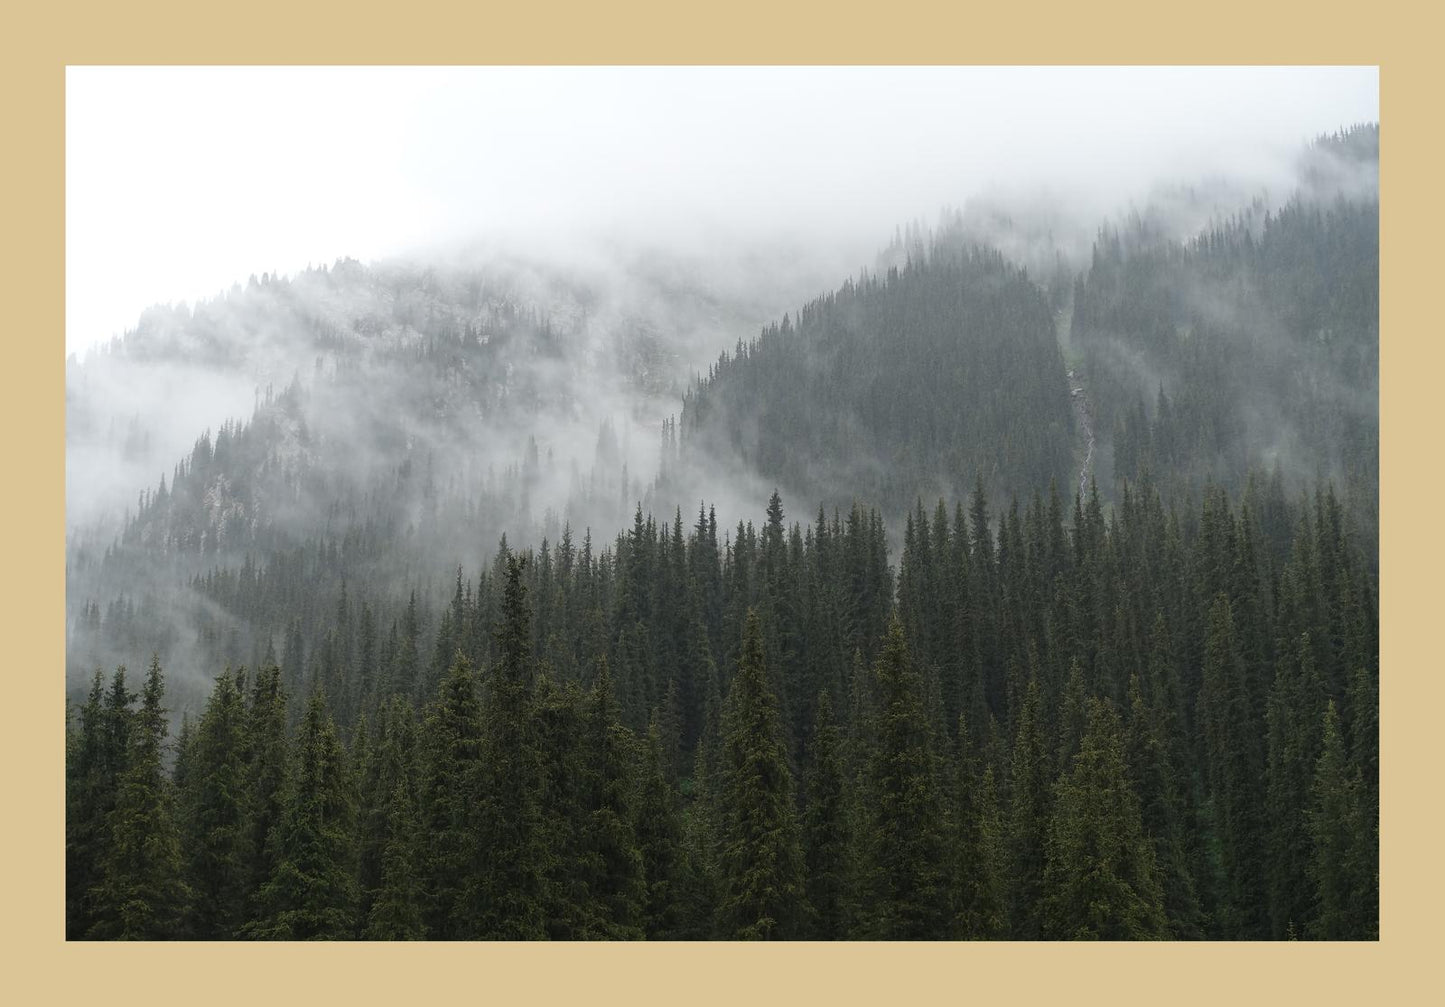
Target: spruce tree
<point>827,836</point>
<point>1152,778</point>
<point>214,798</point>
<point>1101,881</point>
<point>510,861</point>
<point>907,841</point>
<point>1030,810</point>
<point>1234,773</point>
<point>977,850</point>
<point>1294,717</point>
<point>95,759</point>
<point>396,912</point>
<point>311,894</point>
<point>141,894</point>
<point>450,766</point>
<point>267,775</point>
<point>1340,834</point>
<point>613,864</point>
<point>760,859</point>
<point>659,839</point>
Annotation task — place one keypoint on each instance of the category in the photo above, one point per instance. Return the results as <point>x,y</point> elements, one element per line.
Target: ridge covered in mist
<point>1096,500</point>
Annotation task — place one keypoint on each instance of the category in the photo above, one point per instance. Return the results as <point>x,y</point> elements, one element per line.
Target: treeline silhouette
<point>1159,724</point>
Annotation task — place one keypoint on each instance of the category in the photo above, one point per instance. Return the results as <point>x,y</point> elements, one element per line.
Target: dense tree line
<point>895,386</point>
<point>1149,724</point>
<point>1254,343</point>
<point>1147,710</point>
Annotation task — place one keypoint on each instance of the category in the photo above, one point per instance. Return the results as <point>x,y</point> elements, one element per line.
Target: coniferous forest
<point>975,599</point>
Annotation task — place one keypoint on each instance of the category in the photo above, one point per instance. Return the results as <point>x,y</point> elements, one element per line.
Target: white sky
<point>181,181</point>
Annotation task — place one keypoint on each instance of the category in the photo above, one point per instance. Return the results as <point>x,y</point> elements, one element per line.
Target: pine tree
<point>827,838</point>
<point>215,816</point>
<point>96,757</point>
<point>658,831</point>
<point>1030,811</point>
<point>267,775</point>
<point>1234,773</point>
<point>978,870</point>
<point>510,860</point>
<point>760,858</point>
<point>906,833</point>
<point>311,894</point>
<point>141,894</point>
<point>395,913</point>
<point>573,906</point>
<point>450,767</point>
<point>1340,834</point>
<point>1295,713</point>
<point>1101,881</point>
<point>613,863</point>
<point>1152,778</point>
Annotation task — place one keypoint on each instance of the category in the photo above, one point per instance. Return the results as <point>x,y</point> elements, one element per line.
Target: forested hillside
<point>1070,629</point>
<point>1253,344</point>
<point>1151,725</point>
<point>913,383</point>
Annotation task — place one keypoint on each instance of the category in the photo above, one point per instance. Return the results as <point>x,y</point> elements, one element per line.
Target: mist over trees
<point>1022,584</point>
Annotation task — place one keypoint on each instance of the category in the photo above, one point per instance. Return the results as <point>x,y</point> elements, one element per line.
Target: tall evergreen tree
<point>827,836</point>
<point>1030,810</point>
<point>214,803</point>
<point>613,863</point>
<point>760,858</point>
<point>660,843</point>
<point>451,758</point>
<point>1101,881</point>
<point>396,911</point>
<point>96,757</point>
<point>510,860</point>
<point>1341,836</point>
<point>977,850</point>
<point>141,894</point>
<point>311,894</point>
<point>907,834</point>
<point>1234,774</point>
<point>267,777</point>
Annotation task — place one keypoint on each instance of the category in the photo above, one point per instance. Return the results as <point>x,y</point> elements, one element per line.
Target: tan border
<point>42,41</point>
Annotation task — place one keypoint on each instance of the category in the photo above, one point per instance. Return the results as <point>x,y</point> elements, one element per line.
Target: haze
<point>182,181</point>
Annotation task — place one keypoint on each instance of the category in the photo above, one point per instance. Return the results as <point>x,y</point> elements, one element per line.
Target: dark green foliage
<point>1101,881</point>
<point>450,770</point>
<point>600,738</point>
<point>395,913</point>
<point>1340,834</point>
<point>1296,711</point>
<point>827,834</point>
<point>1030,811</point>
<point>387,778</point>
<point>214,807</point>
<point>518,805</point>
<point>510,860</point>
<point>659,838</point>
<point>96,755</point>
<point>1233,771</point>
<point>906,836</point>
<point>1153,779</point>
<point>140,894</point>
<point>760,857</point>
<point>613,867</point>
<point>267,774</point>
<point>311,894</point>
<point>977,846</point>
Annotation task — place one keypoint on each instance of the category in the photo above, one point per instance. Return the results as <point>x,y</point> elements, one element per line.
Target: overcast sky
<point>180,181</point>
